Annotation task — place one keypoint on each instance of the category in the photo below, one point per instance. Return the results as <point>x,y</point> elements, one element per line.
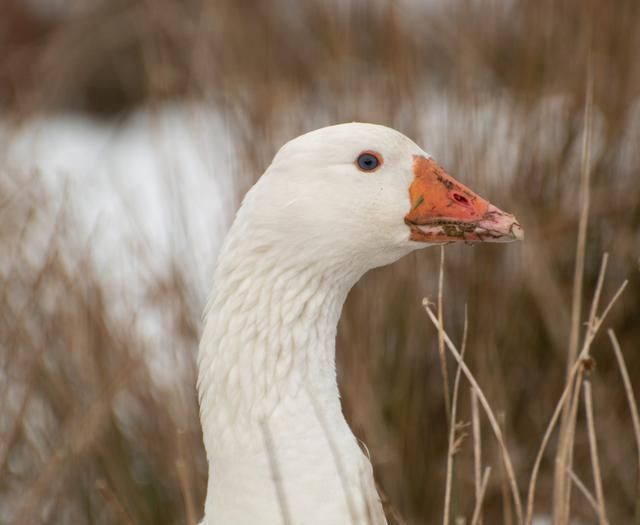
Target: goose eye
<point>368,161</point>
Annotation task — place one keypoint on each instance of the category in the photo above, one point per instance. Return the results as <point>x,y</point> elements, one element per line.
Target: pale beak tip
<point>517,232</point>
<point>504,227</point>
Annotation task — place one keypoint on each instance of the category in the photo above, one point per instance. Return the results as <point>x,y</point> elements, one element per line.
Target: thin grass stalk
<point>336,458</point>
<point>571,429</point>
<point>573,401</point>
<point>113,503</point>
<point>595,460</point>
<point>545,441</point>
<point>561,403</point>
<point>633,408</point>
<point>477,451</point>
<point>575,397</point>
<point>507,513</point>
<point>585,176</point>
<point>441,352</point>
<point>5,444</point>
<point>490,415</point>
<point>477,511</point>
<point>78,437</point>
<point>277,475</point>
<point>596,297</point>
<point>584,490</point>
<point>451,452</point>
<point>390,510</point>
<point>560,476</point>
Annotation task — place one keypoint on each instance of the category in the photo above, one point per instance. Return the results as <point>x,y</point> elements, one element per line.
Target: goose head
<point>365,192</point>
<point>333,204</point>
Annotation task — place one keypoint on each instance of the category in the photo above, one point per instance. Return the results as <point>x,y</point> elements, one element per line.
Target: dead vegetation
<point>87,435</point>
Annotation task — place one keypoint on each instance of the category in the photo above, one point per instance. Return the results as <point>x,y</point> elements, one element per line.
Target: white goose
<point>334,203</point>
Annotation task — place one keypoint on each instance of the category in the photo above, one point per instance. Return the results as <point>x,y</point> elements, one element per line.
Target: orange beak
<point>443,210</point>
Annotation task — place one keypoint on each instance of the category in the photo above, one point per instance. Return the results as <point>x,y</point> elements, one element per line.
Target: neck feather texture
<point>279,448</point>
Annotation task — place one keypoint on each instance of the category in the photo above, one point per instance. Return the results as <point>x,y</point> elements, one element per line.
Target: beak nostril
<point>461,199</point>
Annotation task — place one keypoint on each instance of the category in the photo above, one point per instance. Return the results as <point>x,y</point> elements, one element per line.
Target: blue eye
<point>368,161</point>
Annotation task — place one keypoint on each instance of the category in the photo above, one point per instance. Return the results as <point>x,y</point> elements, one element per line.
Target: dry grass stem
<point>488,411</point>
<point>452,448</point>
<point>574,398</point>
<point>545,441</point>
<point>113,503</point>
<point>339,464</point>
<point>78,437</point>
<point>560,495</point>
<point>476,519</point>
<point>584,198</point>
<point>533,105</point>
<point>584,490</point>
<point>595,459</point>
<point>596,296</point>
<point>563,399</point>
<point>507,510</point>
<point>276,474</point>
<point>477,451</point>
<point>390,510</point>
<point>633,408</point>
<point>15,427</point>
<point>441,352</point>
<point>574,402</point>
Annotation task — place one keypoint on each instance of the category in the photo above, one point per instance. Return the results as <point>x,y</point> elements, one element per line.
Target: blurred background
<point>129,131</point>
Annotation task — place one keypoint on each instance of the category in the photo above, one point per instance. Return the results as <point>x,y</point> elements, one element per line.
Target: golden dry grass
<point>88,436</point>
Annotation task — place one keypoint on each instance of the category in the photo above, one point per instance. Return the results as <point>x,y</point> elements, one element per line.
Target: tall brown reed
<point>495,91</point>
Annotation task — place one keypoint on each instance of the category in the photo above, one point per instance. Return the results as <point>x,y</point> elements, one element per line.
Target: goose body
<point>333,204</point>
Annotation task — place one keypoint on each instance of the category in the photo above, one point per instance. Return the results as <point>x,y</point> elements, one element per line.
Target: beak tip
<point>505,226</point>
<point>518,232</point>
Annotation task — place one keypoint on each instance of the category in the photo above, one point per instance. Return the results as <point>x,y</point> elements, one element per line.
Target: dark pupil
<point>367,161</point>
